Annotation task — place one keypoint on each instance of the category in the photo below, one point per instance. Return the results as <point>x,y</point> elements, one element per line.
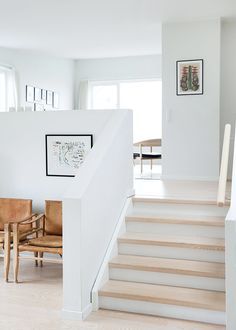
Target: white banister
<point>224,166</point>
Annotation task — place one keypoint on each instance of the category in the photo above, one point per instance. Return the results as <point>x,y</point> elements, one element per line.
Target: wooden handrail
<point>224,166</point>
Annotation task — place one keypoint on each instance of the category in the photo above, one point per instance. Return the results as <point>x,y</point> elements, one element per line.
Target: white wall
<point>132,67</point>
<point>191,123</point>
<point>120,68</point>
<point>22,145</point>
<point>91,210</point>
<point>228,73</point>
<point>43,71</point>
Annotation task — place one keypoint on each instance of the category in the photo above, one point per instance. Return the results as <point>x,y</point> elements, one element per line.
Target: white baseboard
<point>75,315</point>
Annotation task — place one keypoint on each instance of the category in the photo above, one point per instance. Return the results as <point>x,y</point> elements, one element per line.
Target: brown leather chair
<point>47,238</point>
<point>12,209</point>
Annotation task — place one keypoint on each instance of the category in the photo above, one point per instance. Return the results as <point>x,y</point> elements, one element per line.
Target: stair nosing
<point>149,199</point>
<point>155,240</point>
<point>164,269</point>
<point>177,221</point>
<point>138,296</point>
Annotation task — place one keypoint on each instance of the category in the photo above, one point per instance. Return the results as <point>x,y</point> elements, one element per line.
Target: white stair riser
<point>171,252</point>
<point>175,229</point>
<point>187,281</point>
<point>164,310</point>
<point>161,209</point>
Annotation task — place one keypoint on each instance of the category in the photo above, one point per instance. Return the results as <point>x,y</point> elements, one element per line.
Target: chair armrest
<point>37,223</point>
<point>34,218</point>
<point>28,220</point>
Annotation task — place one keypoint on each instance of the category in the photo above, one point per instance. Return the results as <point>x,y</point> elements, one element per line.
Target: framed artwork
<point>44,96</point>
<point>55,100</point>
<point>37,94</point>
<point>38,107</point>
<point>29,93</point>
<point>49,97</point>
<point>189,77</point>
<point>65,153</point>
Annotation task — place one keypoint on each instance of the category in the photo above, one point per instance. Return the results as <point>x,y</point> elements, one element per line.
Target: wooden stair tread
<point>177,241</point>
<point>194,298</point>
<point>173,266</point>
<point>151,199</point>
<point>198,220</point>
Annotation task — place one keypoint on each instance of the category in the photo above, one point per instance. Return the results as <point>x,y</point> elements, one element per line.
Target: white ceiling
<point>98,28</point>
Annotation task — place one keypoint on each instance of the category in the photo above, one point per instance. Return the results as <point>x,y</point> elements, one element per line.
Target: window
<point>8,92</point>
<point>3,96</point>
<point>143,97</point>
<point>105,97</point>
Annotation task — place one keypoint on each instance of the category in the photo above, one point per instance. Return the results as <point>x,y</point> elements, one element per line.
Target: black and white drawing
<point>66,153</point>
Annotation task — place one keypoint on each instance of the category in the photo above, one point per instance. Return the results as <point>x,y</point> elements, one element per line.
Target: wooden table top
<point>149,143</point>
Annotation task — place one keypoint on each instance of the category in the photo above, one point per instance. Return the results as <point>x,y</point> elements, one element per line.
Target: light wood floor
<point>36,304</point>
<point>179,189</point>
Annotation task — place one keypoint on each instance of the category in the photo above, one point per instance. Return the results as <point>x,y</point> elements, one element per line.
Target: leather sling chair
<point>12,209</point>
<point>48,238</point>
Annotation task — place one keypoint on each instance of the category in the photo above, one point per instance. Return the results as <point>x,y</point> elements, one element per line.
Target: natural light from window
<point>3,101</point>
<point>143,97</point>
<point>105,97</point>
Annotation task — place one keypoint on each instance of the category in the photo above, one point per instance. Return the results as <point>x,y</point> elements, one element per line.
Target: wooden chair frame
<point>22,245</point>
<point>12,208</point>
<point>150,155</point>
<point>6,247</point>
<point>9,243</point>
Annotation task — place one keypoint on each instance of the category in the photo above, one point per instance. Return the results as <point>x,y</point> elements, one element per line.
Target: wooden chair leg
<point>141,158</point>
<point>7,248</point>
<point>41,256</point>
<point>151,158</point>
<point>36,260</point>
<point>15,252</point>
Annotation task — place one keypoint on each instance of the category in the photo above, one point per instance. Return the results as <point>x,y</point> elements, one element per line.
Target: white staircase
<point>170,262</point>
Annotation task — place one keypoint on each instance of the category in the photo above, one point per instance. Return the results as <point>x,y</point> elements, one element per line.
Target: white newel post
<point>224,166</point>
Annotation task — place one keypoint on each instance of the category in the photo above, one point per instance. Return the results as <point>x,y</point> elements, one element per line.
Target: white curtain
<point>83,95</point>
<point>11,96</point>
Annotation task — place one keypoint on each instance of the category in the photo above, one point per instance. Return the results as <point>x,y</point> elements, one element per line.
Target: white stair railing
<point>224,167</point>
